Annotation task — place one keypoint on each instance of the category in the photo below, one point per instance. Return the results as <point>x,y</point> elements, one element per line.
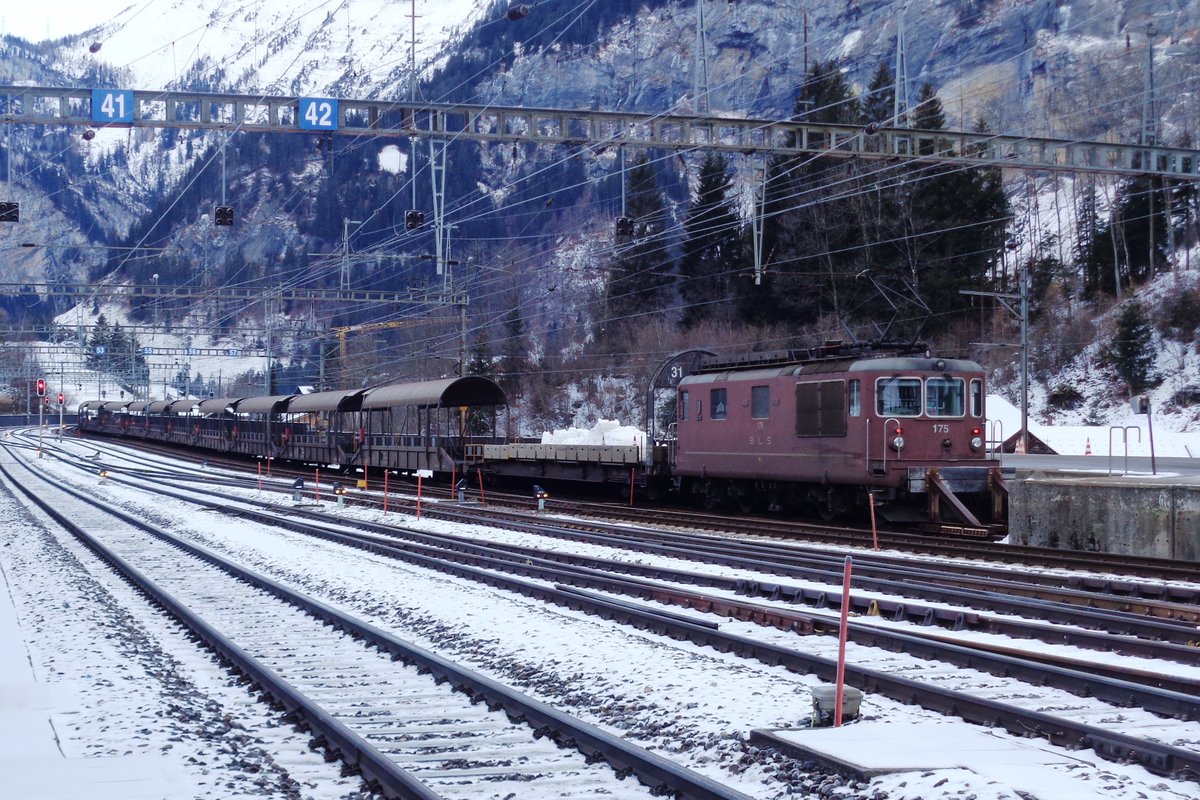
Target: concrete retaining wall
<point>1114,515</point>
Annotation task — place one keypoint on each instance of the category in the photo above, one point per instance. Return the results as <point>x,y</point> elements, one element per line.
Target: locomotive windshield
<point>945,397</point>
<point>902,397</point>
<point>898,397</point>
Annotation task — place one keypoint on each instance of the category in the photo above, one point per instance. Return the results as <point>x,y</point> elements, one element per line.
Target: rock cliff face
<point>1074,68</point>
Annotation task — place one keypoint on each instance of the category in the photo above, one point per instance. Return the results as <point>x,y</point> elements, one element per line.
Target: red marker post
<point>419,492</point>
<point>841,663</point>
<point>874,529</point>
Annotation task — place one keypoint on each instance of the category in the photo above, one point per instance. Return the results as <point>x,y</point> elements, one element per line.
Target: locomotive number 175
<point>941,427</point>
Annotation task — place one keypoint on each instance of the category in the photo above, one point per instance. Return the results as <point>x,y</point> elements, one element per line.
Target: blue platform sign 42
<point>318,114</point>
<point>112,105</point>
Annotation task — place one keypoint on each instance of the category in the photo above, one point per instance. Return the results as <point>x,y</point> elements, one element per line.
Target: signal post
<point>41,393</point>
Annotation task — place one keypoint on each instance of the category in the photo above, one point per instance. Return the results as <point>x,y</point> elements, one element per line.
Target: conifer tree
<point>879,100</point>
<point>956,221</point>
<point>711,248</point>
<point>514,358</point>
<point>1132,350</point>
<point>808,227</point>
<point>641,268</point>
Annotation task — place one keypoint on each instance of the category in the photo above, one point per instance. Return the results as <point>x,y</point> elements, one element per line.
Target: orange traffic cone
<point>1087,450</point>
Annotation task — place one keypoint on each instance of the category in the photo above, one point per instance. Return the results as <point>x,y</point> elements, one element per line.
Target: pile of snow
<point>606,431</point>
<point>1004,420</point>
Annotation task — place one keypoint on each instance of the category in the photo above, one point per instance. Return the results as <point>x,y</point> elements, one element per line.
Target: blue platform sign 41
<point>112,105</point>
<point>318,114</point>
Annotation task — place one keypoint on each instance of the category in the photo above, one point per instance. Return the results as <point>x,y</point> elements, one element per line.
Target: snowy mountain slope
<point>349,49</point>
<point>1069,68</point>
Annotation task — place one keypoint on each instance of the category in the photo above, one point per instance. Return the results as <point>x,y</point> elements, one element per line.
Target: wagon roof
<point>263,405</point>
<point>472,390</point>
<point>181,406</point>
<point>217,405</point>
<point>340,400</point>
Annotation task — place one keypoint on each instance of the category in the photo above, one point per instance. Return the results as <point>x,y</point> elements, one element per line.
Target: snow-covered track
<point>408,736</point>
<point>1068,723</point>
<point>1111,728</point>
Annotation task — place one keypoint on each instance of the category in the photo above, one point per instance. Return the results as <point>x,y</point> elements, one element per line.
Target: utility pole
<point>1150,135</point>
<point>412,98</point>
<point>345,280</point>
<point>700,76</point>
<point>900,96</point>
<point>756,218</point>
<point>1022,313</point>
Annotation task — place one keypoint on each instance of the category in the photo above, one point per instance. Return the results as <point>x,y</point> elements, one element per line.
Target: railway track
<point>425,729</point>
<point>1114,574</point>
<point>1111,743</point>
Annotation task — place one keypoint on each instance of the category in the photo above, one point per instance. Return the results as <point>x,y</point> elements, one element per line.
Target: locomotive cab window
<point>718,404</point>
<point>855,398</point>
<point>760,402</point>
<point>682,412</point>
<point>898,397</point>
<point>945,397</point>
<point>976,397</point>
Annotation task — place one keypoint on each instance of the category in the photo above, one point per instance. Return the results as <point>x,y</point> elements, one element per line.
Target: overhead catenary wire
<point>456,206</point>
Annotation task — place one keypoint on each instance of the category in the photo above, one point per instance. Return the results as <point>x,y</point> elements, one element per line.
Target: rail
<point>651,768</point>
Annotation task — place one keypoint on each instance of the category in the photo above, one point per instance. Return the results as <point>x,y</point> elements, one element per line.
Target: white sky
<point>38,21</point>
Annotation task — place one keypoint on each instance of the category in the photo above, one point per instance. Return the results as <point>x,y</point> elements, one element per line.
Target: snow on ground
<point>1004,419</point>
<point>691,702</point>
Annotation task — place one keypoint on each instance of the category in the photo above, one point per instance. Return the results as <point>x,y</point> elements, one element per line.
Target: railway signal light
<point>10,212</point>
<point>62,399</point>
<point>223,215</point>
<point>414,219</point>
<point>41,387</point>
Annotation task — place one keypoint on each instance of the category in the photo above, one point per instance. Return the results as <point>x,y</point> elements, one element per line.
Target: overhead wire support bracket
<point>42,290</point>
<point>596,129</point>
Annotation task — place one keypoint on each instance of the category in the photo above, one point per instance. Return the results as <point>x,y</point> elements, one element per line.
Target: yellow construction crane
<point>343,331</point>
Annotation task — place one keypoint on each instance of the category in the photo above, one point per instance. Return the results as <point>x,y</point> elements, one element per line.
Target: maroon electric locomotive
<point>827,433</point>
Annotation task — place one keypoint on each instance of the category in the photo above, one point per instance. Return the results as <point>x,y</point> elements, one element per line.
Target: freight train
<point>833,432</point>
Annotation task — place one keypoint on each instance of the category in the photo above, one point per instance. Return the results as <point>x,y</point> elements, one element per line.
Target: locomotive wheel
<point>821,503</point>
<point>750,502</point>
<point>713,496</point>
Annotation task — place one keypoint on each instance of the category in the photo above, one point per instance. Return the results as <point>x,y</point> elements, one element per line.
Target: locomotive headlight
<point>898,443</point>
<point>976,442</point>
